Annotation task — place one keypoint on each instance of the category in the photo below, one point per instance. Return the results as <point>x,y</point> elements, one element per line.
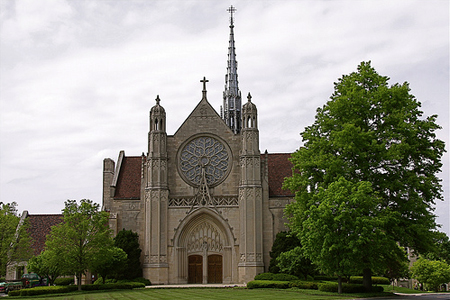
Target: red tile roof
<point>129,180</point>
<point>40,226</point>
<point>279,168</point>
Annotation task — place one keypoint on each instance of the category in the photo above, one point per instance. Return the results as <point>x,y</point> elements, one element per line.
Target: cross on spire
<point>231,10</point>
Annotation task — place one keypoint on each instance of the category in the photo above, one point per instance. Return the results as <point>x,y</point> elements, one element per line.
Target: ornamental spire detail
<point>231,110</point>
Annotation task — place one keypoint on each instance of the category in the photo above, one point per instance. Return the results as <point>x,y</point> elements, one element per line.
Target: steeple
<point>231,110</point>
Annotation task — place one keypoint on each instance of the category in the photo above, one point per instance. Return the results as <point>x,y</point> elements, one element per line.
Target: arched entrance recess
<point>203,244</point>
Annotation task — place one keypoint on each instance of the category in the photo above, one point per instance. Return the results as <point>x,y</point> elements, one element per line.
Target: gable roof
<point>39,228</point>
<point>129,178</point>
<point>279,167</point>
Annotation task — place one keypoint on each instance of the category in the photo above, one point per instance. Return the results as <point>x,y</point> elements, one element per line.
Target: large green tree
<point>14,239</point>
<point>48,265</point>
<point>109,261</point>
<point>375,133</point>
<point>128,241</point>
<point>431,272</point>
<point>82,236</point>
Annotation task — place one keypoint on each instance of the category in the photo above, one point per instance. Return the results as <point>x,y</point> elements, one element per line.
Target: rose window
<point>205,153</point>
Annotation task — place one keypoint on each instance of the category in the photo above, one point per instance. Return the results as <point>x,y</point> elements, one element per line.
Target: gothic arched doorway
<point>204,242</point>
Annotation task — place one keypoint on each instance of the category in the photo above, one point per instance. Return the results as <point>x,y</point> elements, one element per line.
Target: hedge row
<point>276,277</point>
<point>324,287</point>
<point>375,280</point>
<point>348,288</point>
<point>262,284</point>
<point>43,290</point>
<point>304,285</point>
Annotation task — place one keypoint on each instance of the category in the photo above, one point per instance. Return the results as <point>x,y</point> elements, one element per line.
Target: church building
<point>205,202</point>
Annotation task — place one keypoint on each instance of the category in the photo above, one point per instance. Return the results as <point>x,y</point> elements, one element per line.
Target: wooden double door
<point>214,268</point>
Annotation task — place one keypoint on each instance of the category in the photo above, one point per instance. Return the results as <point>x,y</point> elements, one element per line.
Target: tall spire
<point>231,95</point>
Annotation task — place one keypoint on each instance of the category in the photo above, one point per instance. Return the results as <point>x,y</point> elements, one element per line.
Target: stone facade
<point>205,202</point>
<point>202,192</point>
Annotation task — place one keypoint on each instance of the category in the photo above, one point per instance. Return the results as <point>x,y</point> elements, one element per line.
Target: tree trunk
<point>339,284</point>
<point>79,281</point>
<point>367,279</point>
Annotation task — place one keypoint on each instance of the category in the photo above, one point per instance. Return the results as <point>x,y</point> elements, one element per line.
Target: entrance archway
<point>195,269</point>
<point>215,269</point>
<point>204,241</point>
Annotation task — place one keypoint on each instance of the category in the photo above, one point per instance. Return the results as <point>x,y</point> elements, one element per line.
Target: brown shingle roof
<point>129,180</point>
<point>40,226</point>
<point>279,168</point>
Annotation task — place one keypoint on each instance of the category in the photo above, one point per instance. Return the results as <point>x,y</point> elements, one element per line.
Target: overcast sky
<point>78,78</point>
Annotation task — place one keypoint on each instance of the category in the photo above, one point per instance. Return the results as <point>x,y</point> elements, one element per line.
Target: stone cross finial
<point>249,97</point>
<point>157,99</point>
<point>204,80</point>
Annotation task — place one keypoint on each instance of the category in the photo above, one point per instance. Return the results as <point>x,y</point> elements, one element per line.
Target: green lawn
<point>201,293</point>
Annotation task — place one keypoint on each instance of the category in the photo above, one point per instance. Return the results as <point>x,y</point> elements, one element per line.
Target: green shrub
<point>305,285</point>
<point>43,290</point>
<point>64,281</point>
<point>108,280</point>
<point>142,280</point>
<point>14,293</point>
<point>264,276</point>
<point>325,278</point>
<point>347,288</point>
<point>261,284</point>
<point>375,280</point>
<point>284,277</point>
<point>276,277</point>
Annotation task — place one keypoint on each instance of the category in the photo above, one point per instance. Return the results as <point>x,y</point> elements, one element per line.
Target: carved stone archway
<point>204,233</point>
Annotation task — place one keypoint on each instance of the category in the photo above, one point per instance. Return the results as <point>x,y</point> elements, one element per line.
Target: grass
<point>202,293</point>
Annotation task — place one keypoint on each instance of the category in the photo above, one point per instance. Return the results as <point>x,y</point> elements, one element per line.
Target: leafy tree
<point>295,262</point>
<point>129,242</point>
<point>108,261</point>
<point>375,133</point>
<point>431,272</point>
<point>14,239</point>
<point>440,248</point>
<point>82,235</point>
<point>343,232</point>
<point>48,264</point>
<point>284,242</point>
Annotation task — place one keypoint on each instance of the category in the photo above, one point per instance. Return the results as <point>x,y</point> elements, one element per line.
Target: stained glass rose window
<point>208,153</point>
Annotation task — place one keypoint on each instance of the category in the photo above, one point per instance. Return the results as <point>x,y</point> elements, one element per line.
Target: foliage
<point>431,272</point>
<point>142,280</point>
<point>46,290</point>
<point>371,134</point>
<point>48,265</point>
<point>82,235</point>
<point>263,284</point>
<point>305,285</point>
<point>129,242</point>
<point>296,262</point>
<point>375,280</point>
<point>276,277</point>
<point>108,261</point>
<point>396,267</point>
<point>14,241</point>
<point>440,249</point>
<point>64,281</point>
<point>351,235</point>
<point>284,241</point>
<point>347,288</point>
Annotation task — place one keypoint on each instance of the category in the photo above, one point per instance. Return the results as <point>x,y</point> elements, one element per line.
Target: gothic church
<point>205,202</point>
